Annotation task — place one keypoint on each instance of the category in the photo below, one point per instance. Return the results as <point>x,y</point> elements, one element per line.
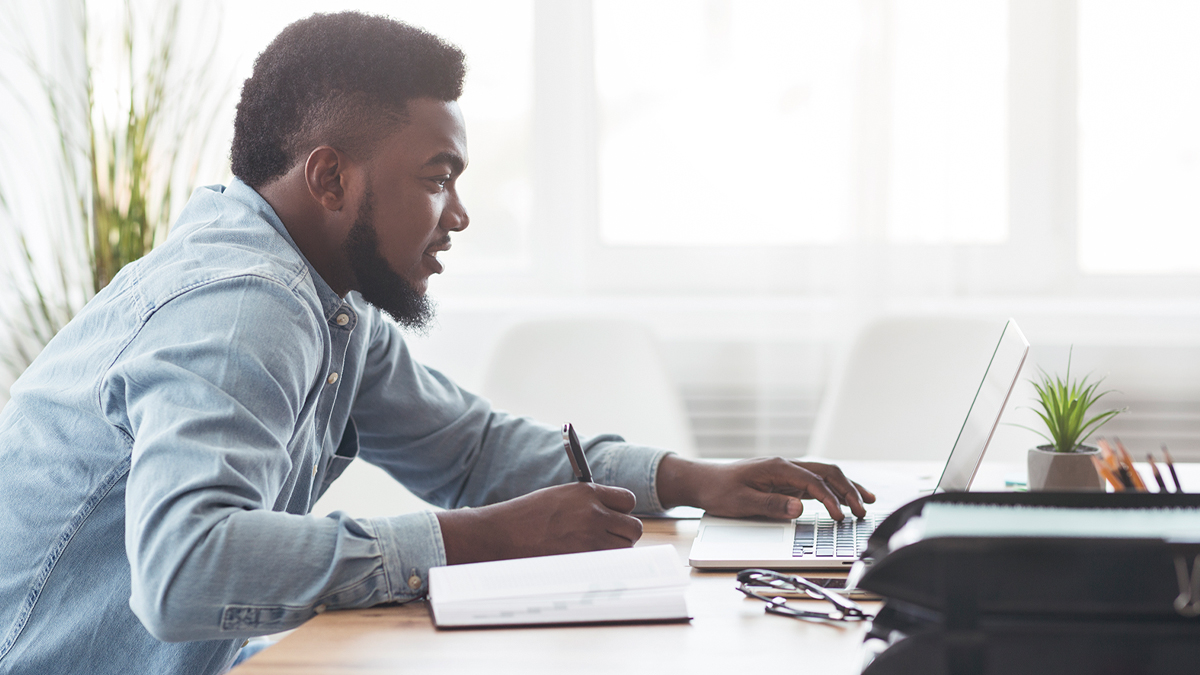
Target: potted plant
<point>1065,464</point>
<point>130,132</point>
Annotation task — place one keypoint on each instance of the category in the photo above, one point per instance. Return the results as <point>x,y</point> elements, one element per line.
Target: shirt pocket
<point>346,451</point>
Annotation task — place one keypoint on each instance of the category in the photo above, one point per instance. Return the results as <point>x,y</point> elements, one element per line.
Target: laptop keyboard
<point>818,535</point>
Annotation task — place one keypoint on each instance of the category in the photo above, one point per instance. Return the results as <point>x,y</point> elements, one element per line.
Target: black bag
<point>991,605</point>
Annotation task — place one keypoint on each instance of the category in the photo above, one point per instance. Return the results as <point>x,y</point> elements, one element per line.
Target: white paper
<point>992,520</point>
<point>618,585</point>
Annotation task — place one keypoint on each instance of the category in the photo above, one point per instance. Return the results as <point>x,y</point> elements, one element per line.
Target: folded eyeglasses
<point>768,586</point>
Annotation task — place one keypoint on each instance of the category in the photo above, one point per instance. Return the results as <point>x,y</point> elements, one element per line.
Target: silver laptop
<point>814,540</point>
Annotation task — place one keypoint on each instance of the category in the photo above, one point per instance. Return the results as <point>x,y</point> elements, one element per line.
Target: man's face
<point>410,207</point>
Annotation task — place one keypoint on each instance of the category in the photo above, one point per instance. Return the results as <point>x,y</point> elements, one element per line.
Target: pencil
<point>1128,460</point>
<point>1107,474</point>
<point>1162,486</point>
<point>1110,458</point>
<point>1171,467</point>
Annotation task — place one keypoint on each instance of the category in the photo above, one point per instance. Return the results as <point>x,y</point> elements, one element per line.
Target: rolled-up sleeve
<point>411,543</point>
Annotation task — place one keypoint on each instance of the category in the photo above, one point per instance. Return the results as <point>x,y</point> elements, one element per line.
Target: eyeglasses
<point>768,586</point>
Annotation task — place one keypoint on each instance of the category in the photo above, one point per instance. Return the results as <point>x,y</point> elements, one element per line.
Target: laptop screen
<point>984,415</point>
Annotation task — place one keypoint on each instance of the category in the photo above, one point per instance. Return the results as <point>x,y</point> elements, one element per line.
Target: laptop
<point>816,541</point>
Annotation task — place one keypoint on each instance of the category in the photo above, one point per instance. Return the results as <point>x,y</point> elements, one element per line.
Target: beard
<point>378,283</point>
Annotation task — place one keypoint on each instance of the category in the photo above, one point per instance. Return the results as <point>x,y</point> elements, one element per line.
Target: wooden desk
<point>728,634</point>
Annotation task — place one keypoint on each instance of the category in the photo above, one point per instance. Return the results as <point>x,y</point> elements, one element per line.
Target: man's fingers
<point>627,528</point>
<point>804,482</point>
<point>821,492</point>
<point>847,491</point>
<point>615,498</point>
<point>777,505</point>
<point>615,505</point>
<point>867,495</point>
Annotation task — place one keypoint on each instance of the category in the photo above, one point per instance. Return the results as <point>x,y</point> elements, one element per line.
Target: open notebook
<point>634,584</point>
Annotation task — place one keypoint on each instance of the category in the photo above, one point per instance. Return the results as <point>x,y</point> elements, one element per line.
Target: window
<point>948,156</point>
<point>1139,137</point>
<point>721,117</point>
<point>805,122</point>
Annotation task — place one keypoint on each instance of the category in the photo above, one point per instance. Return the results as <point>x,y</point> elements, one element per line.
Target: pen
<point>1171,467</point>
<point>1162,487</point>
<point>579,464</point>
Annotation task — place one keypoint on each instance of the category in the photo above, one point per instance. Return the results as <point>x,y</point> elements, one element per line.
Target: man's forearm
<point>678,483</point>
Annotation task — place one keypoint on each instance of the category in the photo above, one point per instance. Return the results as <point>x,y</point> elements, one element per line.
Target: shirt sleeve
<point>213,409</point>
<point>451,448</point>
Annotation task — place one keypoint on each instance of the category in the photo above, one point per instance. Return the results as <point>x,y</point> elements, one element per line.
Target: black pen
<point>579,464</point>
<point>1171,466</point>
<point>1162,486</point>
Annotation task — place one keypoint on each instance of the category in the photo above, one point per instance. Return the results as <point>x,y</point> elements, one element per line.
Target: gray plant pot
<point>1064,471</point>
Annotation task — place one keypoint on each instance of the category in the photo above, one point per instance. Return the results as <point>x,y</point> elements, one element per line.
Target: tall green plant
<point>133,159</point>
<point>1064,408</point>
<point>122,158</point>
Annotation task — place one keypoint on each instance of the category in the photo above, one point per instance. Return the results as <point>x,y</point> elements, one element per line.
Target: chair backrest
<point>904,389</point>
<point>603,376</point>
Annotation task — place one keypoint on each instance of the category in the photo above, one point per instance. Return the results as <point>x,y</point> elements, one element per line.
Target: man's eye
<point>441,180</point>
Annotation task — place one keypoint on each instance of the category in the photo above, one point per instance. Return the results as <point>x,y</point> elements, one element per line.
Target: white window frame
<point>1038,258</point>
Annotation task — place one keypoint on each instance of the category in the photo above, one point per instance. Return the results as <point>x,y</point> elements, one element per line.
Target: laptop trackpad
<point>735,534</point>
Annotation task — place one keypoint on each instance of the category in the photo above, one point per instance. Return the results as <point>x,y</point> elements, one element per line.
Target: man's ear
<point>324,176</point>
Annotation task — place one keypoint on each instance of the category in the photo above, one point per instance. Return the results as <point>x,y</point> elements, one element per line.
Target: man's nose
<point>455,217</point>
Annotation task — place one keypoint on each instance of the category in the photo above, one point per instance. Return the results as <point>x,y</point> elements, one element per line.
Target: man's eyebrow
<point>452,158</point>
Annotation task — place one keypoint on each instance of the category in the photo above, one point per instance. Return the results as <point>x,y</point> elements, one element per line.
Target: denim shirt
<point>159,459</point>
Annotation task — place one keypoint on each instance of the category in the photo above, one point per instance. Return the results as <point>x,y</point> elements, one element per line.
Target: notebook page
<point>635,605</point>
<point>570,574</point>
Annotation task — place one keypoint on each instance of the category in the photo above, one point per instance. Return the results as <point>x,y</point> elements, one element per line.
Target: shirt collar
<point>330,301</point>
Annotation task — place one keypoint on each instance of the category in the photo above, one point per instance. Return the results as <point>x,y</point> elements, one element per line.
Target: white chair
<point>904,389</point>
<point>603,376</point>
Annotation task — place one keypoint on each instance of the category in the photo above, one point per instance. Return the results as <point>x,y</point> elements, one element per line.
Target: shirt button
<point>342,319</point>
<point>314,469</point>
<point>332,378</point>
<point>319,608</point>
<point>414,582</point>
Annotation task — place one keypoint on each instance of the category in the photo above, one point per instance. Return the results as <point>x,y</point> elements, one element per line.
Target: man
<point>158,461</point>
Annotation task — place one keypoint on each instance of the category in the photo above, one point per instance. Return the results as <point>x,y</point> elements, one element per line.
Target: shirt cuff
<point>635,468</point>
<point>411,544</point>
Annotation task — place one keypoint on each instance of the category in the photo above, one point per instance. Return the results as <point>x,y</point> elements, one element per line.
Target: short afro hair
<point>342,80</point>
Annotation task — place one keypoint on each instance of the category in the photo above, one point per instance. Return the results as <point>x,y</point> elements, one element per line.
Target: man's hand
<point>561,519</point>
<point>770,487</point>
